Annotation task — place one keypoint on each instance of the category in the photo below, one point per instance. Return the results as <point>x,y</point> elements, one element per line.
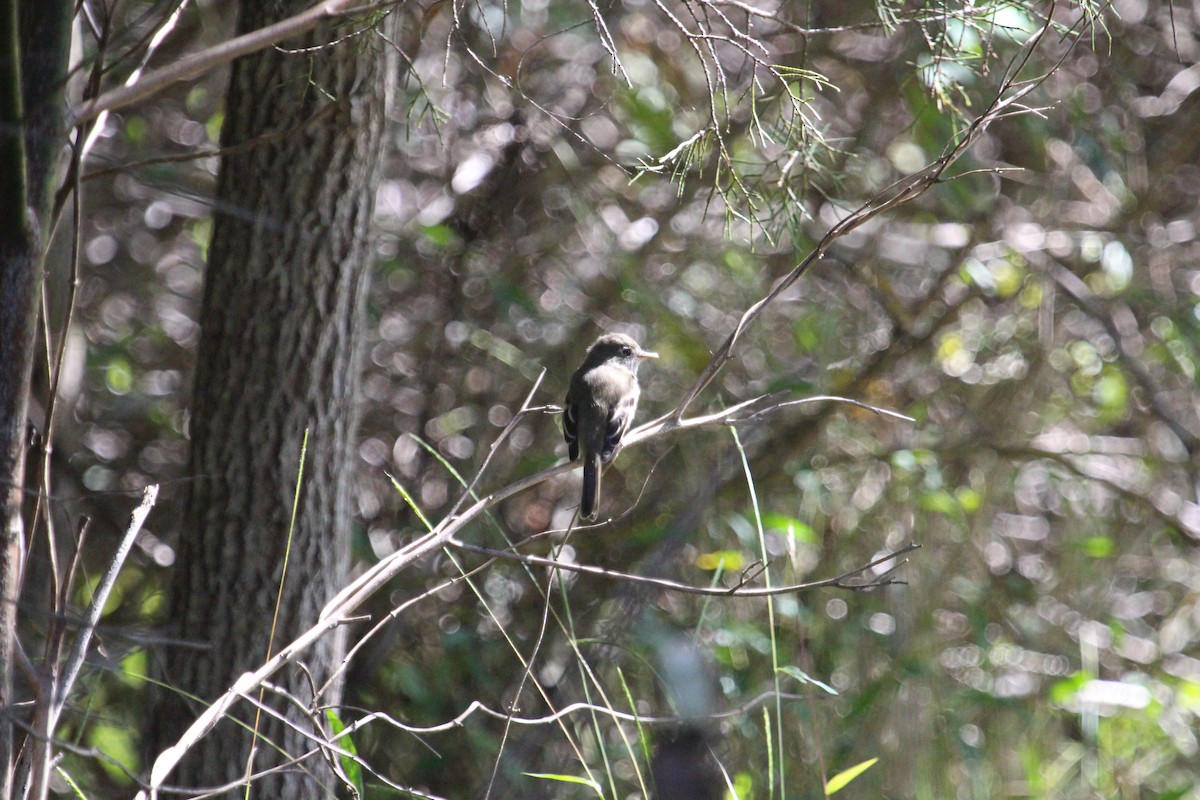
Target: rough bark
<point>279,353</point>
<point>18,292</point>
<point>31,81</point>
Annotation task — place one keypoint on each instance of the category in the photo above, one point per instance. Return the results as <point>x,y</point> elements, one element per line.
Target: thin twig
<point>216,56</point>
<point>348,600</point>
<point>902,191</point>
<point>741,589</point>
<point>562,713</point>
<point>100,598</point>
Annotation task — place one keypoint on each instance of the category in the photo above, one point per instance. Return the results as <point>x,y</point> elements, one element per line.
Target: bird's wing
<point>571,426</point>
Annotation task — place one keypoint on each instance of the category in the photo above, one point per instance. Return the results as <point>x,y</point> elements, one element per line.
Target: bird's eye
<point>626,351</point>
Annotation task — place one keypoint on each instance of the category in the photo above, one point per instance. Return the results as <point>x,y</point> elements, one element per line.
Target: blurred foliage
<point>549,179</point>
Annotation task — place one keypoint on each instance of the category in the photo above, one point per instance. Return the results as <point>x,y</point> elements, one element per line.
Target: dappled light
<point>933,502</point>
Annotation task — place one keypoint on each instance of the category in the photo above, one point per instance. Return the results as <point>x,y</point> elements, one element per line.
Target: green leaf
<point>119,376</point>
<point>1062,691</point>
<point>412,503</point>
<point>135,130</point>
<point>724,560</point>
<point>70,782</point>
<point>843,778</point>
<point>120,745</point>
<point>134,668</point>
<point>1111,392</point>
<point>795,528</point>
<point>968,499</point>
<point>940,502</point>
<point>212,128</point>
<point>1099,546</point>
<point>566,779</point>
<point>349,762</point>
<point>440,235</point>
<point>201,232</point>
<point>807,333</point>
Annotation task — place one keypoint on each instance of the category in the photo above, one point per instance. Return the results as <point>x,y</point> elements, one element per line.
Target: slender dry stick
<point>60,689</point>
<point>219,55</point>
<point>512,424</point>
<point>287,552</point>
<point>222,152</point>
<point>563,713</point>
<point>741,589</point>
<point>100,596</point>
<point>349,599</point>
<point>43,513</point>
<point>905,190</point>
<point>526,663</point>
<point>55,357</point>
<point>527,674</point>
<point>152,46</point>
<point>388,618</point>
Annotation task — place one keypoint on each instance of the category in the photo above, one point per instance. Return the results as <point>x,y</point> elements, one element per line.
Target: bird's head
<point>617,349</point>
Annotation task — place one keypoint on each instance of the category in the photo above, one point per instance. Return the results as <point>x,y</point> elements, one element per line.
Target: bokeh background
<point>1036,315</point>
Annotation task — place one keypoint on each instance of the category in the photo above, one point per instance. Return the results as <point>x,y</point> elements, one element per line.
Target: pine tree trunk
<point>34,45</point>
<point>279,353</point>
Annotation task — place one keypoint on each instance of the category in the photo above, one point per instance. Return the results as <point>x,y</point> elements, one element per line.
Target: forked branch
<point>1007,101</point>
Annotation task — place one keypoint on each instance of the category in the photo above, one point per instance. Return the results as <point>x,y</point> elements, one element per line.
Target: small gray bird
<point>601,402</point>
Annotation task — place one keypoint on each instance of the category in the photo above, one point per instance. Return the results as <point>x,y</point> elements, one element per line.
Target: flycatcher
<point>601,402</point>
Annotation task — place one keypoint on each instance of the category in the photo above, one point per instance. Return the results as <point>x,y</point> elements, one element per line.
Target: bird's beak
<point>646,354</point>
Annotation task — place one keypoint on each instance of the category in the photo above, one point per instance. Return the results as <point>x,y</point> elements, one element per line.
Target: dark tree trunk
<point>279,353</point>
<point>18,315</point>
<point>31,135</point>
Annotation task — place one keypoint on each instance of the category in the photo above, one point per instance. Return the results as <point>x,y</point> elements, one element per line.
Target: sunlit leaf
<point>968,499</point>
<point>212,128</point>
<point>70,781</point>
<point>791,526</point>
<point>843,779</point>
<point>118,376</point>
<point>349,762</point>
<point>136,130</point>
<point>1111,392</point>
<point>133,668</point>
<point>950,345</point>
<point>1062,691</point>
<point>724,560</point>
<point>1008,277</point>
<point>940,502</point>
<point>120,745</point>
<point>567,779</point>
<point>1031,295</point>
<point>440,235</point>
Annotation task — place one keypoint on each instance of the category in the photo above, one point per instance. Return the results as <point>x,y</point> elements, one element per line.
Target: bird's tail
<point>590,500</point>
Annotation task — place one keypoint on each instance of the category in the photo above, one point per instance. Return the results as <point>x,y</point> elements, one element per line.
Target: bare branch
<point>216,56</point>
<point>740,589</point>
<point>446,533</point>
<point>562,713</point>
<point>902,191</point>
<point>100,598</point>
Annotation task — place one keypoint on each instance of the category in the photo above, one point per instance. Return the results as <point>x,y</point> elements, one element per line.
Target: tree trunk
<point>279,353</point>
<point>18,315</point>
<point>31,136</point>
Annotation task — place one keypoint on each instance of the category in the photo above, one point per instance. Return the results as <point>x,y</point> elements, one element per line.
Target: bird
<point>601,401</point>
